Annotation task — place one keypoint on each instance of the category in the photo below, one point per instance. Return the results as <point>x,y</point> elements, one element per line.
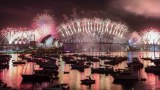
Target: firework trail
<point>92,27</point>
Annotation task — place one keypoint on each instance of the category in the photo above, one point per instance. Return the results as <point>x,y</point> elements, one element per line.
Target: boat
<point>66,72</point>
<point>74,66</point>
<point>4,86</point>
<point>87,81</point>
<point>48,71</point>
<point>147,58</point>
<point>112,62</point>
<point>38,76</point>
<point>123,76</point>
<point>5,56</point>
<point>89,63</point>
<point>153,69</point>
<point>48,65</point>
<point>35,77</point>
<point>58,87</point>
<point>156,61</point>
<point>3,66</point>
<point>79,66</point>
<point>102,70</point>
<point>125,80</point>
<point>136,64</point>
<point>71,62</point>
<point>4,59</point>
<point>19,62</point>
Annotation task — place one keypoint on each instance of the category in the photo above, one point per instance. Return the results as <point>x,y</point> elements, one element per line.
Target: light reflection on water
<point>13,78</point>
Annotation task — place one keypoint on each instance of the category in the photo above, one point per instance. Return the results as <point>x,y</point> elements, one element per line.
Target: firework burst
<point>43,25</point>
<point>151,36</point>
<point>18,35</point>
<point>92,27</point>
<point>42,20</point>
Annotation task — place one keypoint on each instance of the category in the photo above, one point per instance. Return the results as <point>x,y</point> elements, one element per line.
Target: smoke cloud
<point>147,8</point>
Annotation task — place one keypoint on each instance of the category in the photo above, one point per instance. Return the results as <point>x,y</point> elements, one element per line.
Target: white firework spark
<point>18,35</point>
<point>92,26</point>
<point>151,36</point>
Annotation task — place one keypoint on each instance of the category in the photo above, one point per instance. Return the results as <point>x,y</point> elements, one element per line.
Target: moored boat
<point>58,87</point>
<point>35,77</point>
<point>87,81</point>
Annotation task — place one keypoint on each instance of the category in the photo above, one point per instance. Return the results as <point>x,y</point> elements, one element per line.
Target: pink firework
<point>43,25</point>
<point>43,20</point>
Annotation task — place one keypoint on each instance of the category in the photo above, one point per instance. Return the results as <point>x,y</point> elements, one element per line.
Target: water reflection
<point>13,78</point>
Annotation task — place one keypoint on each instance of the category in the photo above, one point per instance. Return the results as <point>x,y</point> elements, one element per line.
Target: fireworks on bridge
<point>151,36</point>
<point>93,27</point>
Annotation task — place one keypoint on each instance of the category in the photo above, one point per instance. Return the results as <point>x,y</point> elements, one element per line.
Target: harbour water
<point>12,75</point>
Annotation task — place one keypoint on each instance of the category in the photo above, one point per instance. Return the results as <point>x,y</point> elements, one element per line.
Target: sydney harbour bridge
<point>93,35</point>
<point>77,35</point>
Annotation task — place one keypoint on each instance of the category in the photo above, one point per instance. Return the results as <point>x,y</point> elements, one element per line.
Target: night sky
<point>137,14</point>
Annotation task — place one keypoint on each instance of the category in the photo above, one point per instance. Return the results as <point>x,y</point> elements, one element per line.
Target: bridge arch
<point>92,31</point>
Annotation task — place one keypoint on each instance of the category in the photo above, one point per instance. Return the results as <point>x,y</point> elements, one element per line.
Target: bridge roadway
<point>92,43</point>
<point>14,45</point>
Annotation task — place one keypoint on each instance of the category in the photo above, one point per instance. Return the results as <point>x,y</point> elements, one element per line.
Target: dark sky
<point>137,14</point>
